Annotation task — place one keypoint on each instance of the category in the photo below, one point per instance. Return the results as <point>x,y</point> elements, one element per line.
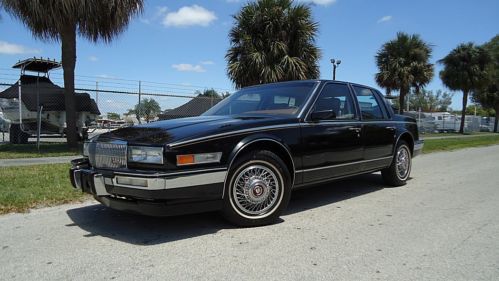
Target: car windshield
<point>273,99</point>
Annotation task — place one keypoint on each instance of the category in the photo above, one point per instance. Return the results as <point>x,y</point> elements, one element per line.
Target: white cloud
<point>158,14</point>
<point>189,16</point>
<point>385,19</point>
<point>319,2</point>
<point>93,58</point>
<point>187,67</point>
<point>15,49</point>
<point>207,62</point>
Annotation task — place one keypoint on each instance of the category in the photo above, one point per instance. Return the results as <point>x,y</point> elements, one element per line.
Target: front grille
<point>109,155</point>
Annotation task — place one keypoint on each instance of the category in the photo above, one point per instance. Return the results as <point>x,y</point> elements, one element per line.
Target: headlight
<point>145,154</point>
<point>203,158</point>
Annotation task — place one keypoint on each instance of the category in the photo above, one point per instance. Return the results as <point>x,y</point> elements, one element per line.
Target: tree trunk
<point>402,95</point>
<point>463,112</point>
<point>68,49</point>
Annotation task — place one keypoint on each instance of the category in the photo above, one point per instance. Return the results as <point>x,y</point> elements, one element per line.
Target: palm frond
<point>93,19</point>
<point>272,40</point>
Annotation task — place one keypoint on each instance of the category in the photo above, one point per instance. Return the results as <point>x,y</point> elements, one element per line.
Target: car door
<point>378,133</point>
<point>331,135</point>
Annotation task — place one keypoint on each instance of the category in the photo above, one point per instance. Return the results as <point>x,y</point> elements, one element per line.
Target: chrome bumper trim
<point>153,183</point>
<point>168,174</point>
<point>418,147</point>
<point>100,186</point>
<point>77,179</point>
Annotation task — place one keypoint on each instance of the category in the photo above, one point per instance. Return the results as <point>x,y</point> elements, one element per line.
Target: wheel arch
<point>408,138</point>
<point>264,142</point>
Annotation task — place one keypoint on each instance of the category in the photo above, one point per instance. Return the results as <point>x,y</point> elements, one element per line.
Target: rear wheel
<point>258,189</point>
<point>400,169</point>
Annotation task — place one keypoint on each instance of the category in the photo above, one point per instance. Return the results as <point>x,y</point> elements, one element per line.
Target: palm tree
<point>149,108</point>
<point>488,94</point>
<point>464,70</point>
<point>271,41</point>
<point>403,65</point>
<point>63,20</point>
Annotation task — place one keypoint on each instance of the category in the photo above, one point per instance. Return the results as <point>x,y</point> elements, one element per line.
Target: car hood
<point>168,131</point>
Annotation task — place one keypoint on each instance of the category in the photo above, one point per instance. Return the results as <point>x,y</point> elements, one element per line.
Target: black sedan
<point>245,155</point>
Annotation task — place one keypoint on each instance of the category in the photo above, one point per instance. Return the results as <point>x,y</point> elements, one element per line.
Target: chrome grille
<point>110,155</point>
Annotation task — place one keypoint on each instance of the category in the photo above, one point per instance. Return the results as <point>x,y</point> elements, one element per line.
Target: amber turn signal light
<point>185,159</point>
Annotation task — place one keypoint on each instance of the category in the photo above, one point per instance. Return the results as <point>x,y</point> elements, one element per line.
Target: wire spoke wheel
<point>256,190</point>
<point>403,162</point>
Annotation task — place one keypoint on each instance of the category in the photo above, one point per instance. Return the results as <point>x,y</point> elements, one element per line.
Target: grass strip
<point>14,151</point>
<point>434,145</point>
<point>452,134</point>
<point>26,187</point>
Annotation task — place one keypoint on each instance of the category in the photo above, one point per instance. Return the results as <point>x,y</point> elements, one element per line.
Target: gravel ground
<point>443,225</point>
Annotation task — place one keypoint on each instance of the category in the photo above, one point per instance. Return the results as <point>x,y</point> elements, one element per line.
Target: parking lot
<point>440,226</point>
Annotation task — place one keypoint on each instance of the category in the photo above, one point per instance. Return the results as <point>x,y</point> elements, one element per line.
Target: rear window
<point>370,108</point>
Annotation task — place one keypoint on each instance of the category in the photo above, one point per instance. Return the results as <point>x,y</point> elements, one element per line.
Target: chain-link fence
<point>33,105</point>
<point>444,122</point>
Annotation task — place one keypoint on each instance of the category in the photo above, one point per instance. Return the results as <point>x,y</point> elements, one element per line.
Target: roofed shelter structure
<point>35,105</point>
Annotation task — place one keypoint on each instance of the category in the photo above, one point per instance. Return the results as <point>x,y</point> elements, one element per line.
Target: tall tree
<point>272,41</point>
<point>209,93</point>
<point>488,94</point>
<point>149,108</point>
<point>465,70</point>
<point>63,20</point>
<point>403,65</point>
<point>113,116</point>
<point>429,101</point>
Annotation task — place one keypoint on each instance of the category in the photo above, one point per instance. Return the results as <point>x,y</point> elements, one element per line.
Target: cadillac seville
<point>247,154</point>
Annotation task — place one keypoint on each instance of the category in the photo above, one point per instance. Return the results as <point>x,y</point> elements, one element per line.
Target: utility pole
<point>335,63</point>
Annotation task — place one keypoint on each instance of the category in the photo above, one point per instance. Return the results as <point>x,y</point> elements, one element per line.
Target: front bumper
<point>154,194</point>
<point>418,147</point>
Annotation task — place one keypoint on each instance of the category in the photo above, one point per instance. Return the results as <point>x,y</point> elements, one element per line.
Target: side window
<point>369,106</point>
<point>336,97</point>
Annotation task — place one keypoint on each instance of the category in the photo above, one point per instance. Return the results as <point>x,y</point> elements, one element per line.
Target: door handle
<point>390,128</point>
<point>356,130</point>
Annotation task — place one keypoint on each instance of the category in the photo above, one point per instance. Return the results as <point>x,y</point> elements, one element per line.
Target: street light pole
<point>335,63</point>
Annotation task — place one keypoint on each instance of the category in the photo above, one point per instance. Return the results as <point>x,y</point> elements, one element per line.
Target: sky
<point>184,42</point>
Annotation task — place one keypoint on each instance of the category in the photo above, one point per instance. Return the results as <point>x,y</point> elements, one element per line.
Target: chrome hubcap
<point>403,162</point>
<point>256,190</point>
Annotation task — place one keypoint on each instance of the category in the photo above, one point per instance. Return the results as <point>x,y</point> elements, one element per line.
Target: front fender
<point>245,142</point>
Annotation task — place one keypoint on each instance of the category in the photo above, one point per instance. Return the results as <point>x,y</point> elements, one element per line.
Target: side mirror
<point>323,115</point>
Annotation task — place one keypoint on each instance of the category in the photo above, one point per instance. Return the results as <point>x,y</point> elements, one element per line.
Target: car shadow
<point>99,220</point>
<point>333,192</point>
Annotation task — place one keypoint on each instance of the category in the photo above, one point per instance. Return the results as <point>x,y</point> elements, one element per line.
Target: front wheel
<point>400,169</point>
<point>258,190</point>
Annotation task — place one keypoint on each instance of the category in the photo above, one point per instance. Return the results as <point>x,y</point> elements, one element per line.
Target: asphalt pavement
<point>443,225</point>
